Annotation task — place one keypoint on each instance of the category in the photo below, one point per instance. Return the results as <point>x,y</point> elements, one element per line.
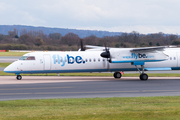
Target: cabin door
<point>106,64</point>
<point>178,59</point>
<point>47,62</point>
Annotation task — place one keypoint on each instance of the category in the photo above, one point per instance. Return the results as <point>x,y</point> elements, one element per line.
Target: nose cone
<point>11,68</point>
<point>7,69</point>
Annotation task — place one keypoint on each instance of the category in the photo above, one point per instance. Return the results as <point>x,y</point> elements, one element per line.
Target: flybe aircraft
<point>99,59</point>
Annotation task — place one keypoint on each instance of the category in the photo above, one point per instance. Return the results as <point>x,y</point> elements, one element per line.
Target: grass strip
<point>136,108</point>
<point>2,73</point>
<point>12,53</point>
<point>4,64</point>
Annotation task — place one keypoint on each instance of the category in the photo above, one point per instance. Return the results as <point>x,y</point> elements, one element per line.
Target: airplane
<point>99,59</point>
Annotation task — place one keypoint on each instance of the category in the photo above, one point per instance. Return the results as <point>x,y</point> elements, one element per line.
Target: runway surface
<point>1,68</point>
<point>46,87</point>
<point>8,59</point>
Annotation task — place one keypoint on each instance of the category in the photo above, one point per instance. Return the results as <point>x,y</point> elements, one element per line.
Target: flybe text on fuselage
<point>57,59</point>
<point>138,55</point>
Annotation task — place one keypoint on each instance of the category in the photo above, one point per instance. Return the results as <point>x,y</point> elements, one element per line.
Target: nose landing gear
<point>19,77</point>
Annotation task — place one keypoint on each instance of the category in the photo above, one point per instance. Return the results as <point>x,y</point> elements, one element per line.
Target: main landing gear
<point>19,77</point>
<point>143,76</point>
<point>117,75</point>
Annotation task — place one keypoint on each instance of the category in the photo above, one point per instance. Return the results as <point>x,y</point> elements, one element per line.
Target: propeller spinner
<point>106,54</point>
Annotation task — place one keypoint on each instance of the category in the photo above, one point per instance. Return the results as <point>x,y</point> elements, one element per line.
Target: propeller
<point>106,54</point>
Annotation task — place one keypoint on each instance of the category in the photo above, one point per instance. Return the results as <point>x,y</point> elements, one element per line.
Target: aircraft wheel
<point>143,77</point>
<point>117,75</point>
<point>19,77</point>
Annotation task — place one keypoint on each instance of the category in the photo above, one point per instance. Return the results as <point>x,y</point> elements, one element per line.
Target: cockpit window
<point>30,58</point>
<point>27,58</point>
<point>23,58</point>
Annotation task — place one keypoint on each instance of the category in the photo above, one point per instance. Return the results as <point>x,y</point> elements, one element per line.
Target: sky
<point>143,16</point>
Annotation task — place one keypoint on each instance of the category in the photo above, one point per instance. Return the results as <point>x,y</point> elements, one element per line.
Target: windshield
<point>27,58</point>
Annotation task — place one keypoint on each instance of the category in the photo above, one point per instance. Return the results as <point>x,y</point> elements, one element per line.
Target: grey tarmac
<point>8,59</point>
<point>47,87</point>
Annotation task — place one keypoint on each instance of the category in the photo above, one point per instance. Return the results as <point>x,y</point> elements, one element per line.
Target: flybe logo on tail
<point>138,55</point>
<point>70,59</point>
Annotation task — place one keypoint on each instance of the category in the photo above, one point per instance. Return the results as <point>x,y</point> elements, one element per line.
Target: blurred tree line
<point>37,40</point>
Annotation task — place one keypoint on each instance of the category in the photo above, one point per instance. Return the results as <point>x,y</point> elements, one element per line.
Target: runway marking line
<point>161,90</point>
<point>36,88</point>
<point>86,92</point>
<point>135,91</point>
<point>15,93</point>
<point>67,92</point>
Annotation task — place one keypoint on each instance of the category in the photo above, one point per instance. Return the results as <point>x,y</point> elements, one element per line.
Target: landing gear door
<point>47,62</point>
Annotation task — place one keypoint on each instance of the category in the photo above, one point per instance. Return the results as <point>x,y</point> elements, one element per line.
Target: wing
<point>94,47</point>
<point>134,55</point>
<point>149,49</point>
<point>143,49</point>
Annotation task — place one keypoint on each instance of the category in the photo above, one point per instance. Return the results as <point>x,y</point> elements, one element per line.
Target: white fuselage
<point>85,61</point>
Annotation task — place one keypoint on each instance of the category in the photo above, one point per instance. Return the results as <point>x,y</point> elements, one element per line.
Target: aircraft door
<point>47,62</point>
<point>178,59</point>
<point>106,63</point>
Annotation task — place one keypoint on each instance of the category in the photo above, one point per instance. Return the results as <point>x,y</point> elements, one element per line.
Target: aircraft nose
<point>7,69</point>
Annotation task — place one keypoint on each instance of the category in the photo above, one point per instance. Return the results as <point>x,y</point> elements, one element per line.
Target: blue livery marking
<point>136,56</point>
<point>91,70</point>
<point>129,61</point>
<point>152,69</point>
<point>70,59</point>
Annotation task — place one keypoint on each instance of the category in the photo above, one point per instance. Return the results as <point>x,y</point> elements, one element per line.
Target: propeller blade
<point>106,54</point>
<point>82,47</point>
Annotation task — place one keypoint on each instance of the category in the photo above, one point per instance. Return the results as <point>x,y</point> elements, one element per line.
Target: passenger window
<point>174,58</point>
<point>89,60</point>
<point>94,60</point>
<point>86,60</point>
<point>170,58</point>
<point>99,59</point>
<point>71,60</point>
